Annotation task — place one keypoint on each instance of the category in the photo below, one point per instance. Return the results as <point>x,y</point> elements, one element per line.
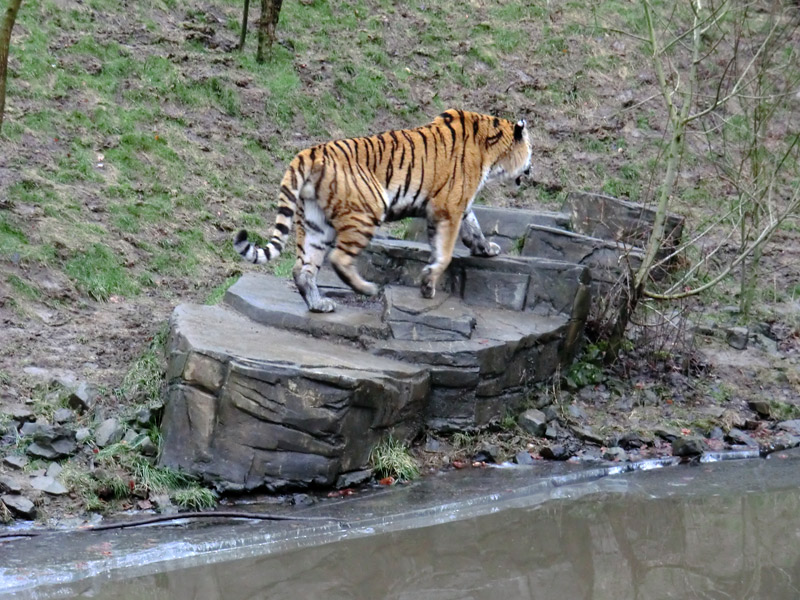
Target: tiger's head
<point>514,159</point>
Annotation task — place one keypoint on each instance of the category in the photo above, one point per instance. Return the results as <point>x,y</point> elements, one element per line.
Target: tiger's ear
<point>518,129</point>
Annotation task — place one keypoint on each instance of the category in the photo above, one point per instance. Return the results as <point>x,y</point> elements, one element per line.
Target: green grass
<point>23,288</point>
<point>142,382</point>
<point>99,273</point>
<point>126,474</point>
<point>12,239</point>
<point>194,498</point>
<point>390,458</point>
<point>217,293</point>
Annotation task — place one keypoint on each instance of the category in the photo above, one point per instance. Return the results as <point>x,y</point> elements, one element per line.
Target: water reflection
<point>602,547</point>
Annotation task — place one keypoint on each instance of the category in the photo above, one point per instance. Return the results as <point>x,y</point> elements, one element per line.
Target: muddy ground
<point>683,377</point>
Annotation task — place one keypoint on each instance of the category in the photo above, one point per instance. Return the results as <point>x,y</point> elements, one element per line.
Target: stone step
<point>606,217</point>
<point>507,281</point>
<point>608,260</point>
<point>264,393</point>
<point>254,406</point>
<point>505,227</point>
<point>481,360</point>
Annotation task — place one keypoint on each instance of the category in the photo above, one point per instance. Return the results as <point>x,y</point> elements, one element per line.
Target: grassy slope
<point>135,142</point>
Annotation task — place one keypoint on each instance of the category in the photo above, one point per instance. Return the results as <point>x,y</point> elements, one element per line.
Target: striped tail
<point>287,205</point>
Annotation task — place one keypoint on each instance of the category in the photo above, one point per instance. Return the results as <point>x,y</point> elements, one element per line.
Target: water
<point>716,531</point>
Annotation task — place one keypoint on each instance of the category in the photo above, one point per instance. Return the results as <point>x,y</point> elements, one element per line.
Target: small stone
<point>550,413</point>
<point>737,337</point>
<point>54,470</point>
<point>488,453</point>
<point>587,435</point>
<point>63,415</point>
<point>16,461</point>
<point>19,506</point>
<point>20,413</point>
<point>353,478</point>
<point>10,483</point>
<point>716,434</point>
<point>557,452</point>
<point>42,451</point>
<point>762,407</point>
<point>737,436</point>
<point>524,458</point>
<point>83,434</point>
<point>576,412</point>
<point>706,327</point>
<point>687,446</point>
<point>669,434</point>
<point>434,445</point>
<point>10,427</point>
<point>59,448</point>
<point>625,98</point>
<point>109,432</point>
<point>551,432</point>
<point>631,440</point>
<point>302,500</point>
<point>533,421</point>
<point>766,344</point>
<point>163,504</point>
<point>31,429</point>
<point>49,485</point>
<point>616,454</point>
<point>784,441</point>
<point>147,447</point>
<point>130,436</point>
<point>792,426</point>
<point>149,415</point>
<point>83,397</point>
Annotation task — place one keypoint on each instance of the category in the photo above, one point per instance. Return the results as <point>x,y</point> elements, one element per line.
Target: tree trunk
<point>5,40</point>
<point>270,12</point>
<point>243,35</point>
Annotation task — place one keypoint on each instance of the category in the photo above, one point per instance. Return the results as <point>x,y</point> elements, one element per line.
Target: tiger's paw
<point>370,289</point>
<point>486,249</point>
<point>428,288</point>
<point>323,305</point>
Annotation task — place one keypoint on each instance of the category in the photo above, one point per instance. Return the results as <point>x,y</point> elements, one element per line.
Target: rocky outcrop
<point>263,393</point>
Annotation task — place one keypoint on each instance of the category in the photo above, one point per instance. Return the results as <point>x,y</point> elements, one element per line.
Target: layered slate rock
<point>600,216</point>
<point>263,393</point>
<point>251,405</point>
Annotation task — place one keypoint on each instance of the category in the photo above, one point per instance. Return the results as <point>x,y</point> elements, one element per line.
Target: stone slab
<point>608,260</point>
<point>503,226</point>
<point>276,304</point>
<point>289,410</point>
<point>411,317</point>
<point>552,285</point>
<point>601,216</point>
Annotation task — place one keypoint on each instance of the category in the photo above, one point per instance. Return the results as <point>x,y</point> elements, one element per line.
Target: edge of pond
<point>50,564</point>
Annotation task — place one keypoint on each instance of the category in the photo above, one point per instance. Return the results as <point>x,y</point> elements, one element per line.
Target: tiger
<point>338,193</point>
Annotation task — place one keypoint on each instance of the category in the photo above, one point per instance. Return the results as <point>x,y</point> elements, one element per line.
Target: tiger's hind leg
<point>473,237</point>
<point>343,262</point>
<point>442,237</point>
<point>314,238</point>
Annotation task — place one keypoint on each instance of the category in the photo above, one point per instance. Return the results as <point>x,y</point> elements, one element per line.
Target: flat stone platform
<point>263,393</point>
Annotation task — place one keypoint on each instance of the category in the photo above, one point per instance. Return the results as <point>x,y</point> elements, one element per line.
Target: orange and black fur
<point>340,192</point>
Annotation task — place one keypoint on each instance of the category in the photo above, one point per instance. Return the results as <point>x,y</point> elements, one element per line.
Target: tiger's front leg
<point>473,237</point>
